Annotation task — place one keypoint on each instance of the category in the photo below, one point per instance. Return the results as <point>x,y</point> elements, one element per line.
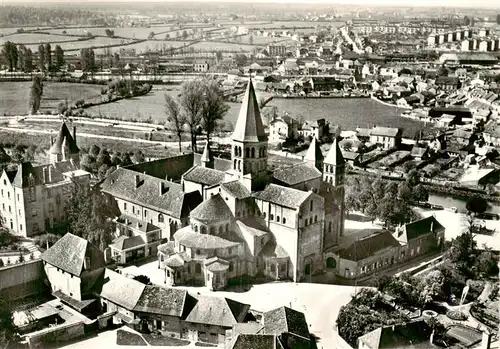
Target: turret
<point>334,166</point>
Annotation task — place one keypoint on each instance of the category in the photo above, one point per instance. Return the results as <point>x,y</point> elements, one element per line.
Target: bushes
<point>45,240</point>
<point>456,315</point>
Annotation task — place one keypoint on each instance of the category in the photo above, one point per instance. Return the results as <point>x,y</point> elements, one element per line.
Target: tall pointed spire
<point>314,155</point>
<point>249,127</point>
<point>334,156</point>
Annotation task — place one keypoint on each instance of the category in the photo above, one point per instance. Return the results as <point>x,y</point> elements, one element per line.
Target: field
<point>30,38</point>
<point>258,40</point>
<point>153,44</point>
<point>77,45</point>
<point>14,97</point>
<point>224,46</point>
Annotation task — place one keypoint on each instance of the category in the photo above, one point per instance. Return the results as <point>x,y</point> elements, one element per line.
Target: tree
<point>218,56</point>
<point>214,107</point>
<point>413,177</point>
<point>8,334</point>
<point>498,18</point>
<point>420,193</point>
<point>28,60</point>
<point>94,150</point>
<point>143,279</point>
<point>250,40</point>
<point>48,56</point>
<point>10,54</point>
<point>175,118</point>
<point>192,103</point>
<point>466,20</point>
<point>58,57</point>
<point>41,57</point>
<point>87,59</point>
<point>240,59</point>
<point>110,33</point>
<point>463,251</point>
<point>36,94</point>
<point>90,215</point>
<point>138,157</point>
<point>184,35</point>
<point>126,160</point>
<point>476,205</point>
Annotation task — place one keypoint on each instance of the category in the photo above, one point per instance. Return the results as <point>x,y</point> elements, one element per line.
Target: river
<point>449,201</point>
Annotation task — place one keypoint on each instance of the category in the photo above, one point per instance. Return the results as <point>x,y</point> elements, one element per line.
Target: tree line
<point>18,57</point>
<point>383,199</point>
<point>200,106</point>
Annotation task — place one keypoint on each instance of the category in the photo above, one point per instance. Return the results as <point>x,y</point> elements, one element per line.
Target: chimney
<point>137,181</point>
<point>50,174</point>
<point>44,174</point>
<point>74,133</point>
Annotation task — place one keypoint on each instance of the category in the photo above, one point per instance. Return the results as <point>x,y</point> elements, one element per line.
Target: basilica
<point>253,222</point>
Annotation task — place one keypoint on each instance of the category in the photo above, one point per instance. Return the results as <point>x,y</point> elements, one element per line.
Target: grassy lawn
<point>128,338</point>
<point>159,340</point>
<point>15,95</point>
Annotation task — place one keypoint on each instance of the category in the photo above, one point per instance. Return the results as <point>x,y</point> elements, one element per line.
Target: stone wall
<point>56,334</point>
<point>21,280</point>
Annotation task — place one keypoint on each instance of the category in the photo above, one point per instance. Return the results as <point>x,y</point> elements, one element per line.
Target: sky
<point>450,3</point>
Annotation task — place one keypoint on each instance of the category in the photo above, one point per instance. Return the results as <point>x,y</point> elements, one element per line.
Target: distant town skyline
<point>395,3</point>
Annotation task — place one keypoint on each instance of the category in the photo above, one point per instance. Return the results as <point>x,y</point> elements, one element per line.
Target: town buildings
<point>34,197</point>
<point>75,271</point>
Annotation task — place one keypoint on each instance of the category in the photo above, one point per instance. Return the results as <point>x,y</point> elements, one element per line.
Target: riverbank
<point>389,104</point>
<point>318,97</point>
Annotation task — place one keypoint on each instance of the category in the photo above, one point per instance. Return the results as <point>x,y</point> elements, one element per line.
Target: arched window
<point>160,218</point>
<point>264,215</point>
<point>197,251</point>
<point>273,268</point>
<point>284,220</point>
<point>311,204</point>
<point>235,163</point>
<point>247,152</point>
<point>271,217</point>
<point>239,165</point>
<point>203,230</point>
<point>305,222</point>
<point>221,229</point>
<point>235,150</point>
<point>253,152</point>
<point>239,151</point>
<point>227,227</point>
<point>278,219</point>
<point>330,227</point>
<point>212,231</point>
<point>315,219</point>
<point>195,228</point>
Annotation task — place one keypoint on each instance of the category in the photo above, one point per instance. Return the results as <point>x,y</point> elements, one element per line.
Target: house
<point>448,83</point>
<point>491,133</point>
<point>276,50</point>
<point>387,137</point>
<point>72,267</point>
<point>150,199</point>
<point>367,255</point>
<point>211,317</point>
<point>135,239</point>
<point>314,129</point>
<point>200,66</point>
<point>280,328</point>
<point>411,335</point>
<point>282,128</point>
<point>34,198</point>
<point>419,237</point>
<point>420,152</point>
<point>325,84</point>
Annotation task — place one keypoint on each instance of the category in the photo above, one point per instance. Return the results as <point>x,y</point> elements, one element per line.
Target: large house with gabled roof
<point>33,197</point>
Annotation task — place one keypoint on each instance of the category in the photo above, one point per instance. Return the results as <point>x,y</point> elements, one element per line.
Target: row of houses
<point>76,273</point>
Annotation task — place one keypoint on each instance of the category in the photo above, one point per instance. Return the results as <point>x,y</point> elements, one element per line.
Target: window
<point>49,193</point>
<point>284,220</point>
<point>34,212</point>
<point>315,219</point>
<point>271,217</point>
<point>311,205</point>
<point>19,213</point>
<point>197,251</point>
<point>278,219</point>
<point>18,197</point>
<point>160,218</point>
<point>8,194</point>
<point>231,266</point>
<point>305,222</point>
<point>227,227</point>
<point>2,191</point>
<point>264,215</point>
<point>3,207</point>
<point>21,227</point>
<point>124,205</point>
<point>10,209</point>
<point>203,230</point>
<point>329,227</point>
<point>212,231</point>
<point>238,214</point>
<point>145,213</point>
<point>198,268</point>
<point>221,229</point>
<point>283,268</point>
<point>51,207</point>
<point>196,228</point>
<point>133,209</point>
